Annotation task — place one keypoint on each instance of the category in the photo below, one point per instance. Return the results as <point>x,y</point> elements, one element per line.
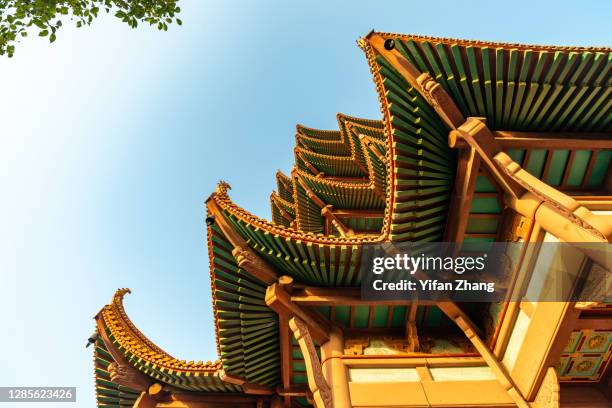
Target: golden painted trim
<point>480,43</point>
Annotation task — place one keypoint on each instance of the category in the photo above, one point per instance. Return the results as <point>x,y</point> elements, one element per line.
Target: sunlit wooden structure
<point>478,142</point>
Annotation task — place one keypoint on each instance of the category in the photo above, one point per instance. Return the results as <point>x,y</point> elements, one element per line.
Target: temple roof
<point>514,86</point>
<point>368,182</point>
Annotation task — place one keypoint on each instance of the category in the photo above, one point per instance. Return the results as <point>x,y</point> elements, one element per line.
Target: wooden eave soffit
<point>246,258</point>
<point>525,193</point>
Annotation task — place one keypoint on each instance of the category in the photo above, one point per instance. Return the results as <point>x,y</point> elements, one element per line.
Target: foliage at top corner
<point>18,18</point>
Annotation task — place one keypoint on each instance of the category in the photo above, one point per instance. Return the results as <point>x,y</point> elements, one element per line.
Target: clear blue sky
<point>111,139</point>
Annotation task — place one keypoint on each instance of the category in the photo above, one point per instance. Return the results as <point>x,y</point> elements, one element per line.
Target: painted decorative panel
<point>586,355</point>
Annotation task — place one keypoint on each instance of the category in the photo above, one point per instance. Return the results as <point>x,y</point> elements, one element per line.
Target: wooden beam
<point>548,140</point>
<point>593,323</point>
<point>422,359</point>
<point>297,390</point>
<point>478,136</point>
<point>280,301</point>
<point>329,215</point>
<point>211,400</point>
<point>248,388</point>
<point>465,324</point>
<point>461,200</point>
<point>334,370</point>
<point>358,213</point>
<point>319,296</point>
<point>321,391</point>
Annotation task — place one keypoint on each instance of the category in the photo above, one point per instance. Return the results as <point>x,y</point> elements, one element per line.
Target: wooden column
<point>334,370</point>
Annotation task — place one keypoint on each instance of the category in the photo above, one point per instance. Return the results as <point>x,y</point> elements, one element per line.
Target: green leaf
<point>16,15</point>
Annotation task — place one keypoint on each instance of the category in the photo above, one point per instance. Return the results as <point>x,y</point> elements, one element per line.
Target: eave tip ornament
<point>120,293</point>
<point>222,188</point>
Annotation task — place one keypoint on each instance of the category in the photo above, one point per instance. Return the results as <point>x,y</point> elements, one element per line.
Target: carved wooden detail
<point>441,101</point>
<point>250,262</point>
<point>128,376</point>
<point>321,391</point>
<point>355,347</point>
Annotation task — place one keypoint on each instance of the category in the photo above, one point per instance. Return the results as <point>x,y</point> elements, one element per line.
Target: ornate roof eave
<point>223,202</point>
<point>284,186</point>
<point>115,320</point>
<point>140,363</point>
<point>479,43</point>
<point>517,183</point>
<point>341,141</point>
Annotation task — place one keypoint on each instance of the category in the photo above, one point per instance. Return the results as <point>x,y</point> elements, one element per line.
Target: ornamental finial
<point>222,188</point>
<point>119,294</point>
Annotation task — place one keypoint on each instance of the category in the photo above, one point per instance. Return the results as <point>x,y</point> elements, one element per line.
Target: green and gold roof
<point>374,181</point>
